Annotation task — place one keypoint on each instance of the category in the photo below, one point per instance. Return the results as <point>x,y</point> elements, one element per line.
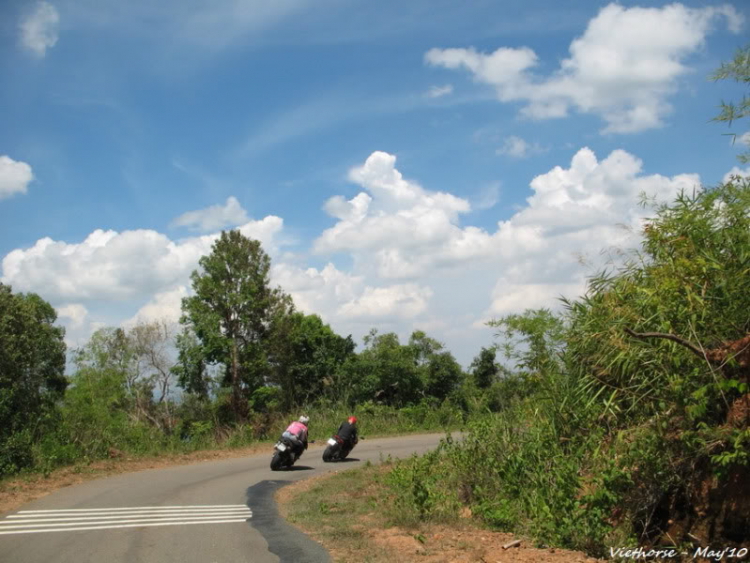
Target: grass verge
<point>352,514</point>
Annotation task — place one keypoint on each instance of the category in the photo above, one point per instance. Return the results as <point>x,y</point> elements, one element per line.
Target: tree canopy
<point>230,314</point>
<point>32,365</point>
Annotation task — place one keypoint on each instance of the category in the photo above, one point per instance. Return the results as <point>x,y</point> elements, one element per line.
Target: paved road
<point>212,512</point>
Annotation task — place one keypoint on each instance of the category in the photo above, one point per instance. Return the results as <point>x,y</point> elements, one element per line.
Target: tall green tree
<point>112,361</point>
<point>443,375</point>
<point>385,371</point>
<point>438,369</point>
<point>311,354</point>
<point>191,369</point>
<point>230,313</point>
<point>423,347</point>
<point>32,365</point>
<point>102,400</point>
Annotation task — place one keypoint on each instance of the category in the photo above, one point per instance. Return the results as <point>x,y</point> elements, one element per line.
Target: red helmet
<point>352,420</point>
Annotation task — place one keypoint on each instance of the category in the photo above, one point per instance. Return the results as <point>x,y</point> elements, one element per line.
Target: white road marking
<point>37,531</point>
<point>203,506</point>
<point>184,516</point>
<point>105,515</point>
<point>75,519</point>
<point>15,526</point>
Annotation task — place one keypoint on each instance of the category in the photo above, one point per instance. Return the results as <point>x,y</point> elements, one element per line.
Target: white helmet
<point>303,419</point>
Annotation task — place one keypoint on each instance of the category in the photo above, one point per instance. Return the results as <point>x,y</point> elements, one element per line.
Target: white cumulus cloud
<point>116,266</point>
<point>397,230</point>
<point>15,177</point>
<point>414,264</point>
<point>623,68</point>
<point>403,300</point>
<point>164,306</point>
<point>39,30</point>
<point>75,312</point>
<point>214,217</point>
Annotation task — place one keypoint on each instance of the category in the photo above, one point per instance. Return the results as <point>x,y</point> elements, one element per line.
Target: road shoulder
<point>347,513</point>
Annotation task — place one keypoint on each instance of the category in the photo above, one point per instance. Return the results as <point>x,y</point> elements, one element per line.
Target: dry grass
<point>348,513</point>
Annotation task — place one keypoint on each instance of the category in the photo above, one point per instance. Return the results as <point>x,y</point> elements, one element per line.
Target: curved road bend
<point>200,513</point>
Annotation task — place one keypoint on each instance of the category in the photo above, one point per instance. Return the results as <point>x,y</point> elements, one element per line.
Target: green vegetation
<point>230,314</point>
<point>32,361</point>
<point>244,363</point>
<point>627,420</point>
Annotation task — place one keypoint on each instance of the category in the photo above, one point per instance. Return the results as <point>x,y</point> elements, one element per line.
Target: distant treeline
<point>242,361</point>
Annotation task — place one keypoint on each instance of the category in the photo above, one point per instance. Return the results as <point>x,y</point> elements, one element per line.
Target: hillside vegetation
<point>631,414</point>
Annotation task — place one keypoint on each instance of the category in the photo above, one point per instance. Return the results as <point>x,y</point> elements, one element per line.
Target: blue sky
<point>428,164</point>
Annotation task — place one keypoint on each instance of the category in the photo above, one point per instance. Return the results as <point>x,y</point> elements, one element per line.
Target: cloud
<point>488,197</point>
<point>318,291</point>
<point>414,264</point>
<point>623,68</point>
<point>440,91</point>
<point>39,29</point>
<point>215,217</point>
<point>516,147</point>
<point>397,230</point>
<point>114,266</point>
<point>397,215</point>
<point>76,312</point>
<point>165,305</point>
<point>404,301</point>
<point>15,177</point>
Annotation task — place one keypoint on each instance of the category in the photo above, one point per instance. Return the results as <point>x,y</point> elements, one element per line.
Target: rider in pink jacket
<point>296,433</point>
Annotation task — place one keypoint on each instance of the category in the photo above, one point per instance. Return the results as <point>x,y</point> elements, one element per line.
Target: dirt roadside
<point>360,535</point>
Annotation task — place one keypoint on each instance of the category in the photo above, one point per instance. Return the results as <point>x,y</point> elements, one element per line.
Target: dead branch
<point>673,337</point>
<point>738,349</point>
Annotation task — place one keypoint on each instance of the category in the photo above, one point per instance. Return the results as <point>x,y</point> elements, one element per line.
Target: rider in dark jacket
<point>348,432</point>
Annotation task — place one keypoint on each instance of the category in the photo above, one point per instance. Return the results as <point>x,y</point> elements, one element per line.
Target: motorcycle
<point>337,450</point>
<point>283,455</point>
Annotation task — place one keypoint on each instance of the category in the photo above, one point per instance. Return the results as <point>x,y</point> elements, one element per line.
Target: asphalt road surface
<point>211,512</point>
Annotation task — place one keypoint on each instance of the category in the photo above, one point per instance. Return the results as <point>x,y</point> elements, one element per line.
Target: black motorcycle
<point>283,455</point>
<point>337,449</point>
